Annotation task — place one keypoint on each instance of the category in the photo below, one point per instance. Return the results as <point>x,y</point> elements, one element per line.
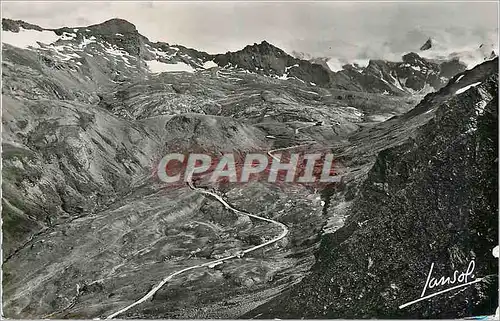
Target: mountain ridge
<point>263,58</point>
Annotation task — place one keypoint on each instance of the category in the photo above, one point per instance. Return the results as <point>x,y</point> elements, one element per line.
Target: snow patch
<point>290,67</point>
<point>63,54</point>
<point>283,77</point>
<point>159,53</point>
<point>157,67</point>
<point>379,118</point>
<point>211,266</point>
<point>353,111</point>
<point>334,64</point>
<point>386,82</point>
<point>363,63</point>
<point>458,79</point>
<point>479,107</point>
<point>309,92</point>
<point>86,41</point>
<point>116,52</point>
<point>28,38</point>
<point>209,64</point>
<point>464,89</point>
<point>68,36</point>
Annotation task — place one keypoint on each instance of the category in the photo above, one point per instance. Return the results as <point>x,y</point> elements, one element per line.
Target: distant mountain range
<point>119,38</point>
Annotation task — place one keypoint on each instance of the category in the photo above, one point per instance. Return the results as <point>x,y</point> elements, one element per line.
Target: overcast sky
<point>332,29</point>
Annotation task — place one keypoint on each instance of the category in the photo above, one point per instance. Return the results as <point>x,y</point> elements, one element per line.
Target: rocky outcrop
<point>427,45</point>
<point>267,59</point>
<point>16,25</point>
<point>263,56</point>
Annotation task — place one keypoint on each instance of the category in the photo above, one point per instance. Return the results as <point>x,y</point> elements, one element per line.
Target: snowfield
<point>28,38</point>
<point>157,67</point>
<point>464,89</point>
<point>209,64</point>
<point>334,64</point>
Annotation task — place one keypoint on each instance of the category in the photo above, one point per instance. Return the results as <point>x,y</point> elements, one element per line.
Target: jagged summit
<point>113,26</point>
<point>414,59</point>
<point>267,59</point>
<point>263,48</point>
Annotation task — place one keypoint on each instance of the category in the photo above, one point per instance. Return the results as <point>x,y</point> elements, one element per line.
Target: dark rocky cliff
<point>270,60</point>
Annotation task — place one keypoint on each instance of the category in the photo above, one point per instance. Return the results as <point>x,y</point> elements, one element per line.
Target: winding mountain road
<point>214,262</point>
<point>218,261</point>
<point>270,153</point>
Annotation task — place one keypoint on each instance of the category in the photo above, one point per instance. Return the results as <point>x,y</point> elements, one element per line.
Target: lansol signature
<point>461,278</point>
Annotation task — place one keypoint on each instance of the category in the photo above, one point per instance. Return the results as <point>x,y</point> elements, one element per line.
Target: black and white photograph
<point>249,160</point>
